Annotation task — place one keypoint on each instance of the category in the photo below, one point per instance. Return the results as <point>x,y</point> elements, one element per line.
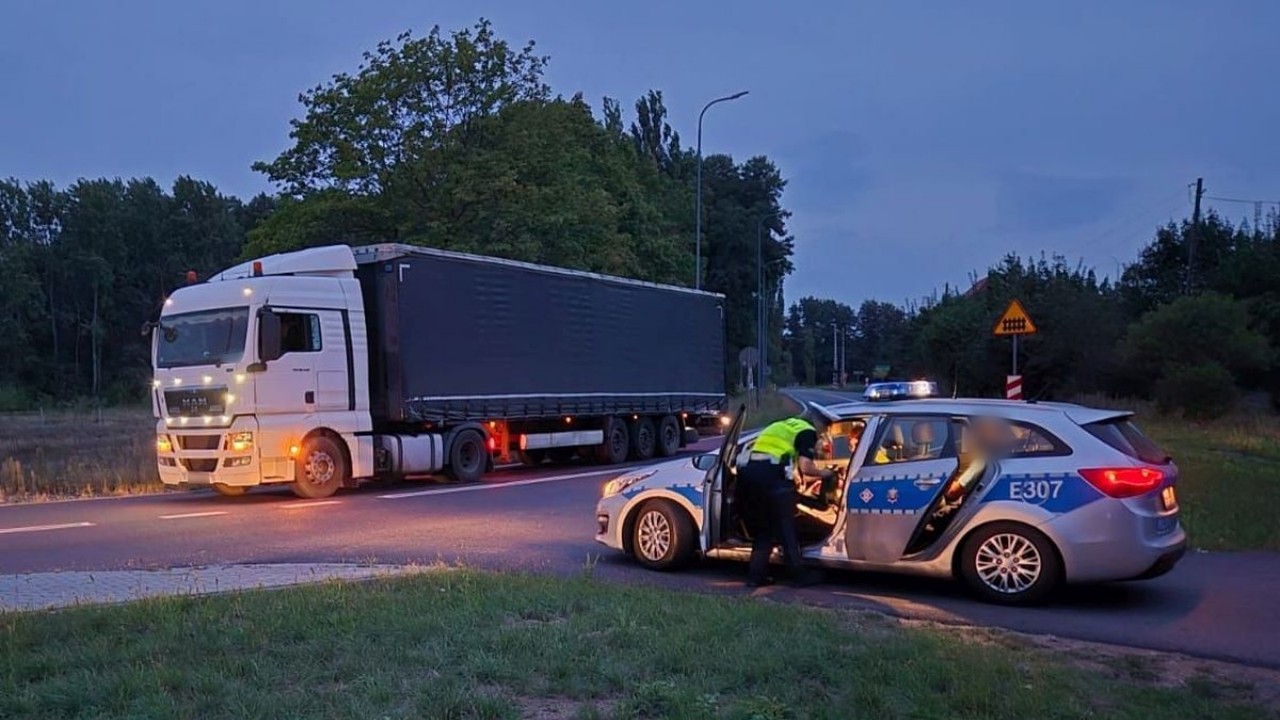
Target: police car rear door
<point>905,469</point>
<point>715,482</point>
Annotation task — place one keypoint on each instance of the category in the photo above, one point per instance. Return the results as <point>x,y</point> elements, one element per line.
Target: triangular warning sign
<point>1015,321</point>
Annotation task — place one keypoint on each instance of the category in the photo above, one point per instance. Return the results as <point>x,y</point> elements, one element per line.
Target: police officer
<point>767,495</point>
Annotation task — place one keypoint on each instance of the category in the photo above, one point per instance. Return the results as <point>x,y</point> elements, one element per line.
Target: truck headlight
<point>242,441</point>
<point>164,444</point>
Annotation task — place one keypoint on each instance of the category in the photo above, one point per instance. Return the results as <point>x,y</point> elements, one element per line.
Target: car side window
<point>999,437</point>
<point>299,332</point>
<point>914,439</point>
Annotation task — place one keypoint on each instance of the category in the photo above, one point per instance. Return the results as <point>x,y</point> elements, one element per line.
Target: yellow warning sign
<point>1015,321</point>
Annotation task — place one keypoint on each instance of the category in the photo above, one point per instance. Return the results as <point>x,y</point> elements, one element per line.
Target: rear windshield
<point>1124,436</point>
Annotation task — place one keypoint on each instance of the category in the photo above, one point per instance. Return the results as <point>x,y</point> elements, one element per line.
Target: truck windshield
<point>210,337</point>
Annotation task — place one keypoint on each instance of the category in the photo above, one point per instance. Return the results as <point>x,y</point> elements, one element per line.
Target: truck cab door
<point>285,381</point>
<point>717,480</point>
<point>904,471</point>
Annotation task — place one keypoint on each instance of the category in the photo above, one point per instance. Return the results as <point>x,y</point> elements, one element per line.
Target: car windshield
<point>210,337</point>
<point>1125,436</point>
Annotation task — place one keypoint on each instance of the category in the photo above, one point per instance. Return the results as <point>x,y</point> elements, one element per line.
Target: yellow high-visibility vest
<point>779,439</point>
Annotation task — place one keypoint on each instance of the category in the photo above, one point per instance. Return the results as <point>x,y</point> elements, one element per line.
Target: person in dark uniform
<point>767,496</point>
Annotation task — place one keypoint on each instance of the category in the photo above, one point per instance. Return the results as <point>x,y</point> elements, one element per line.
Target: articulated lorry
<point>330,366</point>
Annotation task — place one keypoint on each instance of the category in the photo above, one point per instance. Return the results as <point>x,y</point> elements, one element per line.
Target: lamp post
<point>760,293</point>
<point>697,270</point>
<point>764,321</point>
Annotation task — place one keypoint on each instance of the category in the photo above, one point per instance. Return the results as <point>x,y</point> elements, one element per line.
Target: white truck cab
<point>261,376</point>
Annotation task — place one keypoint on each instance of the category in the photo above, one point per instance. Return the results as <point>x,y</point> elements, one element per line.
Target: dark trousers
<point>767,501</point>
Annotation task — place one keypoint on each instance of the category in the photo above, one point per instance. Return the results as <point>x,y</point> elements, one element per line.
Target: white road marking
<point>497,486</point>
<point>182,516</point>
<point>42,528</point>
<point>318,503</point>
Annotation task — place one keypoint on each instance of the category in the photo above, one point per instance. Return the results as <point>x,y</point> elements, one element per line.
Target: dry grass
<point>77,454</point>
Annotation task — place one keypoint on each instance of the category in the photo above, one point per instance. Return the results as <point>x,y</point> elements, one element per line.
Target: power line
<point>1239,200</point>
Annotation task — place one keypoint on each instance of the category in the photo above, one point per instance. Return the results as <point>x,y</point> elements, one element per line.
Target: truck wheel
<point>1010,564</point>
<point>533,458</point>
<point>662,536</point>
<point>468,457</point>
<point>643,439</point>
<point>668,436</point>
<point>617,442</point>
<point>226,490</point>
<point>321,469</point>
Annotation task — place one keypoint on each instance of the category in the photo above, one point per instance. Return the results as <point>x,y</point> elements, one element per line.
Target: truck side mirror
<point>269,338</point>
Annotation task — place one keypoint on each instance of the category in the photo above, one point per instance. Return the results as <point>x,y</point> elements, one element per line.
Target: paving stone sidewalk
<point>42,591</point>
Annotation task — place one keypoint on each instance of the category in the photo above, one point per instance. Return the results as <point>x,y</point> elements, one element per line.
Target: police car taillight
<point>1123,482</point>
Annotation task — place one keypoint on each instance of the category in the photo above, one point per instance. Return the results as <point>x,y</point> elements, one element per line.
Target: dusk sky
<point>922,140</point>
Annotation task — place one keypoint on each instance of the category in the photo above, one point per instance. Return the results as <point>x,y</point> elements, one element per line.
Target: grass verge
<point>773,406</point>
<point>468,645</point>
<point>77,454</point>
<point>1229,473</point>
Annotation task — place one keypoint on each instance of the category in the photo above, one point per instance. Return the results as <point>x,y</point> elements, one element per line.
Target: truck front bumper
<point>200,455</point>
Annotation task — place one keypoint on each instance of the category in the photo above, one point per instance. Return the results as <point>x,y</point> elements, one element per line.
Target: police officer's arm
<point>806,454</point>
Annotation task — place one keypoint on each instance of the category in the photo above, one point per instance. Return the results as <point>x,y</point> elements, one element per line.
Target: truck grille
<point>194,402</point>
<point>200,442</point>
<point>200,464</point>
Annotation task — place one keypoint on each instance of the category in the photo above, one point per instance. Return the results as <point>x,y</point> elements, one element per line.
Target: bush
<point>1202,392</point>
<point>13,399</point>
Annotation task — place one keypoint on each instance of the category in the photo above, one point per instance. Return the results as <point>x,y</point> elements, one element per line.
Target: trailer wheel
<point>643,438</point>
<point>321,469</point>
<point>668,436</point>
<point>468,457</point>
<point>617,442</point>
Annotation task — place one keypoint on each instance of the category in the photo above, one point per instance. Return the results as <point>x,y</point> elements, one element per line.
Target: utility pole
<point>835,357</point>
<point>1194,237</point>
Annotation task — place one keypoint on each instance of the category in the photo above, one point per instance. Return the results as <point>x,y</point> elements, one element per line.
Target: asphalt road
<point>1212,605</point>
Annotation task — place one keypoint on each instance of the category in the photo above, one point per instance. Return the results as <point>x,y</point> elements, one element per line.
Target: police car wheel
<point>662,535</point>
<point>1010,564</point>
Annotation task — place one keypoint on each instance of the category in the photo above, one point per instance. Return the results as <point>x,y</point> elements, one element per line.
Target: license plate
<point>1169,498</point>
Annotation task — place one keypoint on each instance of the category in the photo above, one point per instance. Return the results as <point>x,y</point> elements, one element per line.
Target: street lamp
<point>698,221</point>
<point>764,321</point>
<point>760,293</point>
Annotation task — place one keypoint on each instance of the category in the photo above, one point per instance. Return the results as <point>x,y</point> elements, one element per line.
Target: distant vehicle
<point>1012,498</point>
<point>325,367</point>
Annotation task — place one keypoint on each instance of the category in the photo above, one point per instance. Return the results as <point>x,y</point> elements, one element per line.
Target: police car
<point>1012,498</point>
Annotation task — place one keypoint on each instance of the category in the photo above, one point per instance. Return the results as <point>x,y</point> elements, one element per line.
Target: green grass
<point>77,454</point>
<point>456,644</point>
<point>773,406</point>
<point>1229,473</point>
<point>1229,478</point>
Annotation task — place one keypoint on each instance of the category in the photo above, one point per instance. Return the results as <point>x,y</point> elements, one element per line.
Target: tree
<point>389,129</point>
<point>1185,339</point>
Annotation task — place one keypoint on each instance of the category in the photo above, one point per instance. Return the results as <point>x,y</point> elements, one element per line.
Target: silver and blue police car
<point>1012,498</point>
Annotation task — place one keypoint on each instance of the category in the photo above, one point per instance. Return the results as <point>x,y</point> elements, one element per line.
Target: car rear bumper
<point>1106,542</point>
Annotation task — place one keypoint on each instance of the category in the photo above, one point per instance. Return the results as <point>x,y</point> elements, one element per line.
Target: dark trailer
<point>560,356</point>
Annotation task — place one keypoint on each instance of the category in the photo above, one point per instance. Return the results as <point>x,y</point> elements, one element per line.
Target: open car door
<point>900,479</point>
<point>715,482</point>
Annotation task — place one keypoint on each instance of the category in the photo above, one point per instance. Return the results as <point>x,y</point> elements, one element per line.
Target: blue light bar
<point>901,390</point>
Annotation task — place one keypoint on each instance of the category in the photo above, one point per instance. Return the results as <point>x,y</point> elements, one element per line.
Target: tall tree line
<point>1190,336</point>
<point>452,140</point>
<point>83,266</point>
